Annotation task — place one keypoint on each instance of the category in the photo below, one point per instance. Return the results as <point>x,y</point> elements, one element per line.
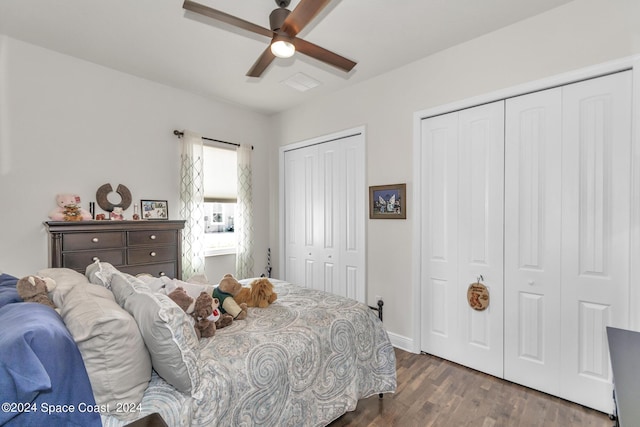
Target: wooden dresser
<point>134,247</point>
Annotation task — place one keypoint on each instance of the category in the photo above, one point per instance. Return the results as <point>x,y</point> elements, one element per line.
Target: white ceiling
<point>160,41</point>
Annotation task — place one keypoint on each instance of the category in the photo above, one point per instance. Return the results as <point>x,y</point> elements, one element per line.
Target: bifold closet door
<point>533,202</point>
<point>462,200</point>
<point>567,231</point>
<point>325,211</point>
<point>302,214</point>
<point>596,205</point>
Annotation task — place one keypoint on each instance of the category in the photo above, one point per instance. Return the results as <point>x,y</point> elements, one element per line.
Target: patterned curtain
<point>192,204</point>
<point>244,212</point>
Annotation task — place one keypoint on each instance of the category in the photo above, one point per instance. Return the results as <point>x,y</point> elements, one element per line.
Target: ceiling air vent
<point>301,82</point>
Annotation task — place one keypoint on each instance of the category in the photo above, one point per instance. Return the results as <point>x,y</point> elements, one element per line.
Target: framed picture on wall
<point>388,201</point>
<point>154,209</point>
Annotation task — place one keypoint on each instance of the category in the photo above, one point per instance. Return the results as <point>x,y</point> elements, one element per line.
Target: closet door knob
<point>95,240</point>
<point>95,258</point>
<point>162,273</point>
<point>152,237</point>
<point>531,282</point>
<point>152,254</point>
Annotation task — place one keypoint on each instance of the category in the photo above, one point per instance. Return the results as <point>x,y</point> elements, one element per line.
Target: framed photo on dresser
<point>154,209</point>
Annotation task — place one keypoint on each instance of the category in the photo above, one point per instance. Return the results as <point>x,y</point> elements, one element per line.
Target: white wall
<point>67,125</point>
<point>581,33</point>
<point>70,126</point>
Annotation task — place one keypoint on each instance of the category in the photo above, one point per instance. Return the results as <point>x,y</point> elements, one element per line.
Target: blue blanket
<point>43,380</point>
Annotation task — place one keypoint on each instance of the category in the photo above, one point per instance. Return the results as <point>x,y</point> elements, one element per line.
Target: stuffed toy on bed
<point>226,292</point>
<point>207,316</point>
<point>35,289</point>
<point>260,294</point>
<point>184,301</point>
<point>204,310</point>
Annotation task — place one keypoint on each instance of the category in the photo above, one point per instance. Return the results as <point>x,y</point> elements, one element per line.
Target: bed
<point>303,361</point>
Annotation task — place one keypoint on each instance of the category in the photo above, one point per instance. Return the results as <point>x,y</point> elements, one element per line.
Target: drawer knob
<point>152,254</point>
<point>152,237</point>
<point>162,273</point>
<point>95,240</point>
<point>95,258</point>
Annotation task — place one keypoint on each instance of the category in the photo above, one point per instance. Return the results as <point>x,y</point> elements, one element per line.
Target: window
<point>220,195</point>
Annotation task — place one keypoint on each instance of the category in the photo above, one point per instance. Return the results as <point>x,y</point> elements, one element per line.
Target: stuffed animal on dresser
<point>69,209</point>
<point>225,292</point>
<point>35,289</point>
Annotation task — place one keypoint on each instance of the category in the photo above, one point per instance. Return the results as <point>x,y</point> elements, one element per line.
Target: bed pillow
<point>8,292</point>
<point>114,353</point>
<point>65,279</point>
<point>165,286</point>
<point>166,329</point>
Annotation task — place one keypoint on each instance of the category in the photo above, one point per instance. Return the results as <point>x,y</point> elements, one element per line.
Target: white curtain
<point>244,212</point>
<point>192,204</point>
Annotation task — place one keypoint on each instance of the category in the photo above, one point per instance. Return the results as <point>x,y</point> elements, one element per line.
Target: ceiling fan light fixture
<point>283,49</point>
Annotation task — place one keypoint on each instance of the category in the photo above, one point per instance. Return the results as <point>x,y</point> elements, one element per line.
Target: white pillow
<point>114,354</point>
<point>65,279</point>
<point>166,329</point>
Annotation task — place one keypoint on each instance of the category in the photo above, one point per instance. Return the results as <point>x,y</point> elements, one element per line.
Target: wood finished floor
<point>435,392</point>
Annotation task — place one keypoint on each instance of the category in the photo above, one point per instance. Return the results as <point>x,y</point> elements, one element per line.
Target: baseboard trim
<point>401,342</point>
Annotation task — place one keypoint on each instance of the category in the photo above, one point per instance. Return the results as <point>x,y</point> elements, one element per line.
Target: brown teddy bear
<point>184,301</point>
<point>35,288</point>
<point>226,292</point>
<point>221,320</point>
<point>204,315</point>
<point>259,294</point>
<point>204,311</point>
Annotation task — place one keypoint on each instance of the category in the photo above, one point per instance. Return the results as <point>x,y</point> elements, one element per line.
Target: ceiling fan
<point>285,25</point>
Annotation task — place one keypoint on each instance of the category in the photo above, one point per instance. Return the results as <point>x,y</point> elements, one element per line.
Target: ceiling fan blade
<point>323,54</point>
<point>302,15</point>
<point>226,18</point>
<point>261,63</point>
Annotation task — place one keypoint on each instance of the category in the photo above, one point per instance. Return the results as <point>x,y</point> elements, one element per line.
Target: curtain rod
<point>180,134</point>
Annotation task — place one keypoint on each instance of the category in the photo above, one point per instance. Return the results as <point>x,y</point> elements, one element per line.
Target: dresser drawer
<point>80,260</point>
<point>168,269</point>
<point>137,238</point>
<point>149,255</point>
<point>96,240</point>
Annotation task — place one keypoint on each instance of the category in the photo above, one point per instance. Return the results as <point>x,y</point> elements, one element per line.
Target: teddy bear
<point>226,291</point>
<point>35,288</point>
<point>259,294</point>
<point>69,209</point>
<point>221,320</point>
<point>208,317</point>
<point>204,310</point>
<point>183,300</point>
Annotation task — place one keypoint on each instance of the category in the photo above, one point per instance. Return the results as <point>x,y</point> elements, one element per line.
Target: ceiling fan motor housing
<point>277,17</point>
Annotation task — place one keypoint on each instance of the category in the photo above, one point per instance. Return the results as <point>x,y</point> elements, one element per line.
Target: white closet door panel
<point>596,222</point>
<point>352,212</point>
<point>327,208</point>
<point>480,233</point>
<point>533,132</point>
<point>301,208</point>
<point>294,221</point>
<point>439,263</point>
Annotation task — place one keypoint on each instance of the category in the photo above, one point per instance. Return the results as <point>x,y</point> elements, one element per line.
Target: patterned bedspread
<point>303,361</point>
